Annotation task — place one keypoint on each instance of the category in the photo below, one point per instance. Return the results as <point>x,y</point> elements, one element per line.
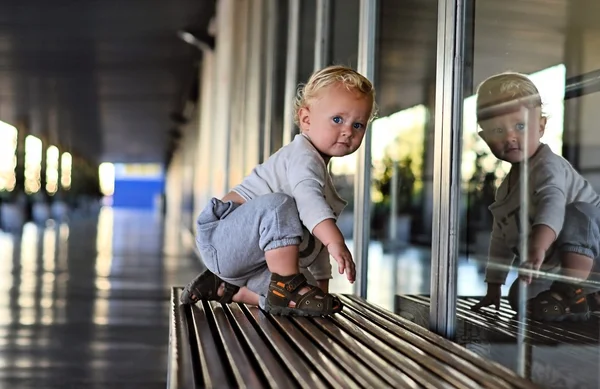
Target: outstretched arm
<point>331,236</point>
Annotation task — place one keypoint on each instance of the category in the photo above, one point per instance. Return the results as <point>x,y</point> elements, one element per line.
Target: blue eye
<point>337,119</point>
<point>358,125</point>
<point>520,126</point>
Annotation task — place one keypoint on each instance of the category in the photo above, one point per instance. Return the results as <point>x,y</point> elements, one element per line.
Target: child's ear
<point>304,118</point>
<point>543,122</point>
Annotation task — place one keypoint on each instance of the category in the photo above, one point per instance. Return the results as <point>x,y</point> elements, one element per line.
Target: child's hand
<point>342,256</point>
<point>492,297</point>
<point>535,258</point>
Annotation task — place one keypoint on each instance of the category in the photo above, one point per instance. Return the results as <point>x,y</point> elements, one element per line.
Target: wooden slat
<point>321,360</point>
<point>364,376</point>
<point>267,361</point>
<point>357,343</point>
<point>209,352</point>
<point>397,340</point>
<point>243,372</point>
<point>494,369</point>
<point>302,372</point>
<point>364,346</point>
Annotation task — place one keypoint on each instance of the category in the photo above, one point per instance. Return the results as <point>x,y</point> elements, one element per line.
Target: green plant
<point>405,181</point>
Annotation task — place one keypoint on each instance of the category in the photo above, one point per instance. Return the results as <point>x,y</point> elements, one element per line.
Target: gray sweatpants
<point>580,234</point>
<point>232,238</point>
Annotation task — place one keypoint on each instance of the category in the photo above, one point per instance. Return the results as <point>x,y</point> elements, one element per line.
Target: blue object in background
<point>138,186</point>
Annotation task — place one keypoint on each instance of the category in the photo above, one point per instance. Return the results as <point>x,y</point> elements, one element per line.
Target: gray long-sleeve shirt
<point>553,184</point>
<point>298,170</point>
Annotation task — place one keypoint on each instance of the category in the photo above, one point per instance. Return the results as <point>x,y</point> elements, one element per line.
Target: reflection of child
<point>281,218</point>
<point>564,217</point>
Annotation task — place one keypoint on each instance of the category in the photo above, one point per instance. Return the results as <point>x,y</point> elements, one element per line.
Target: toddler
<point>278,225</point>
<point>564,218</point>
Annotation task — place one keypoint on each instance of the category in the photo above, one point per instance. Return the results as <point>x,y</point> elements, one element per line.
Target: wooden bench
<point>566,351</point>
<point>236,346</point>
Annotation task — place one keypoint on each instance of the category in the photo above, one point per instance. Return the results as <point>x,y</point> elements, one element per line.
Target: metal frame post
<point>447,157</point>
<point>323,34</point>
<point>270,60</point>
<point>367,28</point>
<point>291,75</point>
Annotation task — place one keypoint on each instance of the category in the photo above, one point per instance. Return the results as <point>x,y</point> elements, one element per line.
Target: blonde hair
<point>506,92</point>
<point>321,79</point>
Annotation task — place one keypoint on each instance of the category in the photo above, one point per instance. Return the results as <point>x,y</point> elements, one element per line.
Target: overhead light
<point>202,41</point>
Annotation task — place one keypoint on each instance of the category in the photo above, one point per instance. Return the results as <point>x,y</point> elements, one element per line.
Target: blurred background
<point>119,120</point>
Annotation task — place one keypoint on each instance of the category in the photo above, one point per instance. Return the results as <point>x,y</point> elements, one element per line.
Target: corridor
<point>87,304</point>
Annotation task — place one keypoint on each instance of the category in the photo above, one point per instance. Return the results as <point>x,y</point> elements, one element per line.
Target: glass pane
<point>401,152</point>
<point>530,178</point>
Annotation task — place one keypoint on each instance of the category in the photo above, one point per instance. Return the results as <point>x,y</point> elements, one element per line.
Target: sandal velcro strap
<point>298,281</point>
<point>228,292</point>
<point>570,291</point>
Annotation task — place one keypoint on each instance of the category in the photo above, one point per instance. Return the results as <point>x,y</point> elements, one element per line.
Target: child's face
<point>336,120</point>
<point>510,135</point>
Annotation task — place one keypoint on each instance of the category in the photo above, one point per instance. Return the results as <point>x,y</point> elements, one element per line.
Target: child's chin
<point>513,157</point>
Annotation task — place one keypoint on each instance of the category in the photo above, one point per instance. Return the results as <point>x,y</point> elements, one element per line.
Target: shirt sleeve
<point>307,178</point>
<point>321,267</point>
<point>500,258</point>
<point>549,198</point>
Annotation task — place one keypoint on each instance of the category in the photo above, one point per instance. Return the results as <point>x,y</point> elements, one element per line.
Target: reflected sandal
<point>563,302</point>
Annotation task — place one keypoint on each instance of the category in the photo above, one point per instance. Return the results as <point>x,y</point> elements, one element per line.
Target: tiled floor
<point>86,305</point>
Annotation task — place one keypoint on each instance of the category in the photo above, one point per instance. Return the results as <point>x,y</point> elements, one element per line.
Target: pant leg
<point>581,235</point>
<point>232,238</point>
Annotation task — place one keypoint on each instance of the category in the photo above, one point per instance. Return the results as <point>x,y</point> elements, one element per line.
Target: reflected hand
<point>492,297</point>
<point>341,254</point>
<point>535,258</point>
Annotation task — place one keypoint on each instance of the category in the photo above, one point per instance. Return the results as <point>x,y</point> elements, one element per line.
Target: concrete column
<point>202,182</point>
<point>223,93</point>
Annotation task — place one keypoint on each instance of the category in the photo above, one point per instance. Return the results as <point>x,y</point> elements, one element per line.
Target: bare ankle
<point>246,296</point>
<point>283,260</point>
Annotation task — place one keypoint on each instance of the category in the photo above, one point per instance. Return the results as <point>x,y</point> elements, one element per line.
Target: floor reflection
<point>86,304</point>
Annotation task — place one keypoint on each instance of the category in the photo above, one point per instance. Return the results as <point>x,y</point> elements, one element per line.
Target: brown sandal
<point>205,287</point>
<point>314,302</point>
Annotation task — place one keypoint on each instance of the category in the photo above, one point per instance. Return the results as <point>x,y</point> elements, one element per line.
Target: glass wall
<point>529,183</point>
<point>415,259</point>
<point>400,152</point>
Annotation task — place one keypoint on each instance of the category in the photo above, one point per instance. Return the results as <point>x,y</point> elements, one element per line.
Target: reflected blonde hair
<point>506,92</point>
<point>331,75</point>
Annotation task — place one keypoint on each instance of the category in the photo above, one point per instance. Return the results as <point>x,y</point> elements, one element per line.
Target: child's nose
<point>347,130</point>
<point>510,134</point>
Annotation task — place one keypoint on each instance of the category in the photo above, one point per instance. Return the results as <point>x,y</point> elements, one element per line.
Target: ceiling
<point>100,77</point>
